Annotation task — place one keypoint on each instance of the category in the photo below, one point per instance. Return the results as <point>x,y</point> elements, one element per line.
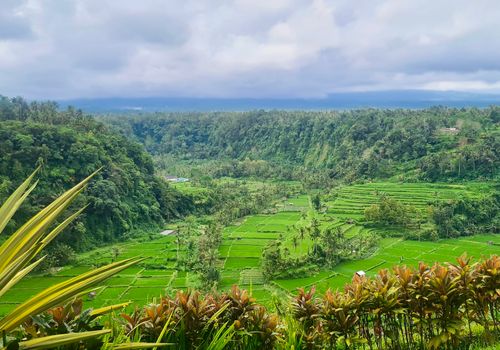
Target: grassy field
<point>241,250</point>
<point>240,256</point>
<point>351,201</point>
<point>135,284</point>
<point>242,246</point>
<point>396,251</point>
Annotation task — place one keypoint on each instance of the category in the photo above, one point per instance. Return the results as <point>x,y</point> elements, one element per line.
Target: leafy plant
<point>18,256</point>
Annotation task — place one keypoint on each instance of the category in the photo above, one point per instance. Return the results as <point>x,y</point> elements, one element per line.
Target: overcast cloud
<point>246,48</point>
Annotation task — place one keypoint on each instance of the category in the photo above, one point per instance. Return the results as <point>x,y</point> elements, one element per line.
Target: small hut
<point>360,273</point>
<point>168,232</point>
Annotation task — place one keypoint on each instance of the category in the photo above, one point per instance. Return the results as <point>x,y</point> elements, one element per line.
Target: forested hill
<point>124,196</point>
<point>432,144</point>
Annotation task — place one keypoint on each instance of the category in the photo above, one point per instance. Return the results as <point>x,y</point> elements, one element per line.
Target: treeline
<point>230,200</point>
<point>433,144</point>
<point>218,168</point>
<point>444,219</point>
<point>68,145</point>
<point>466,216</point>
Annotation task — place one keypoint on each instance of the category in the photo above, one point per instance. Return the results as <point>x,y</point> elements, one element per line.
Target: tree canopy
<point>434,144</point>
<point>125,195</point>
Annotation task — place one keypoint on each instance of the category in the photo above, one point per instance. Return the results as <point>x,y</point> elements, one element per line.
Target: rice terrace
<point>250,175</point>
<point>240,253</point>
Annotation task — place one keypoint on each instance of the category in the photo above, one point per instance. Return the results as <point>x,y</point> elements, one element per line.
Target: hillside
<point>125,196</point>
<point>432,144</point>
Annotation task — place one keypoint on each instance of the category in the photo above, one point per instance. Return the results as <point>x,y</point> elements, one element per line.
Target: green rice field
<point>351,201</point>
<point>241,250</point>
<point>396,251</point>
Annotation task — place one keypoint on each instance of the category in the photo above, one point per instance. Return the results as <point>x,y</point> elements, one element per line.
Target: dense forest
<point>435,144</point>
<point>68,145</point>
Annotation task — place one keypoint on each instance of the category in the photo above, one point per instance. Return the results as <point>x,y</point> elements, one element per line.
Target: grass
<point>143,293</point>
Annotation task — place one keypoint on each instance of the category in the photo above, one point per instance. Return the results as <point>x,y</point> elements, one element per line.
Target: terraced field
<point>395,251</point>
<point>241,250</point>
<point>242,246</point>
<point>351,201</point>
<point>135,283</point>
<point>240,259</point>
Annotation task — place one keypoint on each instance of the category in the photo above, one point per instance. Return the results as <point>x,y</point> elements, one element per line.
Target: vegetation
<point>17,259</point>
<point>326,247</point>
<point>467,216</point>
<point>388,211</point>
<point>125,196</point>
<point>440,306</point>
<point>276,201</point>
<point>427,307</point>
<point>433,144</point>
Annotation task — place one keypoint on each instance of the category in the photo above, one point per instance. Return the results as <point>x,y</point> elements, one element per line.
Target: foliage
<point>16,261</point>
<point>193,321</point>
<point>201,250</point>
<point>467,216</point>
<point>448,306</point>
<point>124,196</point>
<point>389,211</point>
<point>347,145</point>
<point>428,307</point>
<point>316,202</point>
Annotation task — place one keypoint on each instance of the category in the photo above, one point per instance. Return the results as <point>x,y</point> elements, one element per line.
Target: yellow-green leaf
<point>128,346</point>
<point>54,341</point>
<point>108,309</point>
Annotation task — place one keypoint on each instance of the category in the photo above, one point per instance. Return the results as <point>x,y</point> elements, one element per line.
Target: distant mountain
<point>413,99</point>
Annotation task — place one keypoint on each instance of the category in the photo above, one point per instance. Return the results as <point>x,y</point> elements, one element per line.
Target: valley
<point>243,242</point>
<point>278,222</point>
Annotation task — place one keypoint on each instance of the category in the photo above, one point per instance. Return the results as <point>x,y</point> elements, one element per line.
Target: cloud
<point>14,24</point>
<point>242,48</point>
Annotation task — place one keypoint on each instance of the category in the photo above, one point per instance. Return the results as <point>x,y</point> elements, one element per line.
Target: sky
<point>63,49</point>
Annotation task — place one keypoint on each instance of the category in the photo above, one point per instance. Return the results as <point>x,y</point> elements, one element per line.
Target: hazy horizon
<point>408,99</point>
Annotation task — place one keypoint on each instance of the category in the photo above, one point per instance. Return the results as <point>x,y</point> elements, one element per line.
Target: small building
<point>451,130</point>
<point>360,273</point>
<point>168,232</point>
<point>172,178</point>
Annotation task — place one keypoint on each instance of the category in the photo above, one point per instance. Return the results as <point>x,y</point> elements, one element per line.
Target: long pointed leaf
<point>53,234</point>
<point>12,203</point>
<point>108,309</point>
<point>17,265</point>
<point>54,341</point>
<point>32,230</point>
<point>130,346</point>
<point>61,292</point>
<point>12,282</point>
